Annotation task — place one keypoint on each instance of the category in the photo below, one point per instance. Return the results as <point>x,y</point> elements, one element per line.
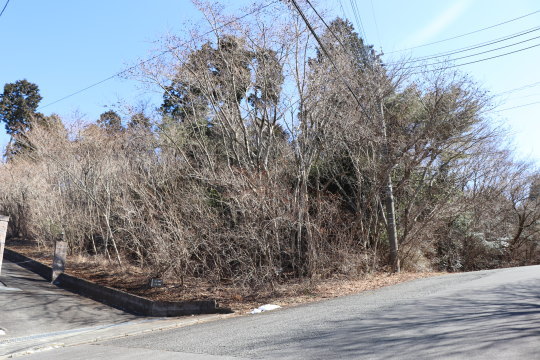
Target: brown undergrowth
<point>135,280</point>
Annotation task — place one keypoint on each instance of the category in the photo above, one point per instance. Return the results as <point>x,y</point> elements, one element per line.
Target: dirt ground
<point>136,281</point>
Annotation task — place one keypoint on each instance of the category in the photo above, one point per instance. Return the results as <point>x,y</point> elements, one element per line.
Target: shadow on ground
<point>470,325</point>
<point>39,307</point>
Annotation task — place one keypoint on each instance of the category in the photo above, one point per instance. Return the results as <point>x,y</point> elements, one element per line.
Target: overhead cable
<point>327,54</point>
<point>476,54</point>
<point>375,21</point>
<point>477,61</point>
<point>531,85</point>
<point>466,34</point>
<point>158,55</point>
<point>356,13</point>
<point>4,8</point>
<point>472,47</point>
<point>326,24</point>
<point>517,107</point>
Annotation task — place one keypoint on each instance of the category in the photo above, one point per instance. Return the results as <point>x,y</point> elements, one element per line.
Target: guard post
<point>59,259</point>
<point>4,220</point>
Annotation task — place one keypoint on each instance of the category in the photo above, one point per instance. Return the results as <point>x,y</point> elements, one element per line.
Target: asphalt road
<point>32,309</point>
<point>29,305</point>
<point>487,315</point>
<point>480,315</point>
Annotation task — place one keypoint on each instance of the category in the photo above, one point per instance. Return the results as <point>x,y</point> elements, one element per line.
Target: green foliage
<point>214,197</point>
<point>450,243</point>
<point>362,55</point>
<point>110,121</point>
<point>229,67</point>
<point>18,105</point>
<point>181,101</point>
<point>139,121</point>
<point>240,182</point>
<point>225,64</point>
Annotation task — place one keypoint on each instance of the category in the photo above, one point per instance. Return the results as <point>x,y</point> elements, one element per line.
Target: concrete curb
<point>115,298</point>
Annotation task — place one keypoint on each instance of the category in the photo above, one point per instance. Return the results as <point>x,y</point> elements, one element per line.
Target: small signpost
<point>59,261</point>
<point>3,230</point>
<point>156,283</point>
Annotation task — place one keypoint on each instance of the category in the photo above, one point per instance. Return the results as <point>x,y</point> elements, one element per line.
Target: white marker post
<point>3,230</point>
<point>59,260</point>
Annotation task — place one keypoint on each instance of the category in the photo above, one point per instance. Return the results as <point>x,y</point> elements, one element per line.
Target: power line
<point>523,87</point>
<point>519,88</point>
<point>345,48</point>
<point>463,57</point>
<point>493,57</point>
<point>158,55</point>
<point>479,53</point>
<point>375,21</point>
<point>355,14</point>
<point>472,62</point>
<point>466,34</point>
<point>519,106</point>
<point>325,52</point>
<point>475,46</point>
<point>481,60</point>
<point>342,9</point>
<point>523,96</point>
<point>4,8</point>
<point>358,18</point>
<point>325,24</point>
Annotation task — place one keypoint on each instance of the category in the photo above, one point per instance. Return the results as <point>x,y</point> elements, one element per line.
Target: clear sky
<point>65,45</point>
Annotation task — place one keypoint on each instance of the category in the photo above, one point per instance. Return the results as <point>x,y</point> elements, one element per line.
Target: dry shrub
<point>129,198</point>
<point>270,162</point>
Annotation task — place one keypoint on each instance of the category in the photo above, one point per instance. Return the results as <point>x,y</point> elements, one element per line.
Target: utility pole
<point>389,193</point>
<point>391,229</point>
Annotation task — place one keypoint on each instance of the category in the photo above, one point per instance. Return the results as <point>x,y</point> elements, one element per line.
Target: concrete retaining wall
<point>42,270</point>
<point>116,298</point>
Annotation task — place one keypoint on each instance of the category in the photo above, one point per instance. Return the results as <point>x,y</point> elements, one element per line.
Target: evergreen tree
<point>227,68</point>
<point>340,38</point>
<point>18,105</point>
<point>110,121</point>
<point>139,120</point>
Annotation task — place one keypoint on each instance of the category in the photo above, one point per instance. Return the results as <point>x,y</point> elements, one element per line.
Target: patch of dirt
<point>135,280</point>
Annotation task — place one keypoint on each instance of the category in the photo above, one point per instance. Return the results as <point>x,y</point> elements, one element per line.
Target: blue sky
<point>65,45</point>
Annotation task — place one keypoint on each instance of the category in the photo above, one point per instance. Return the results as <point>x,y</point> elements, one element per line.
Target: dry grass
<point>135,281</point>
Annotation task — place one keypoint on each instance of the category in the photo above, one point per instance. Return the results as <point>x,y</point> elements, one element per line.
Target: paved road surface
<point>31,308</point>
<point>35,315</point>
<point>30,305</point>
<point>481,315</point>
<point>488,315</point>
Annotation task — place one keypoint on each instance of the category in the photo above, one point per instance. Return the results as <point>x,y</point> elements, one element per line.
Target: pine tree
<point>18,105</point>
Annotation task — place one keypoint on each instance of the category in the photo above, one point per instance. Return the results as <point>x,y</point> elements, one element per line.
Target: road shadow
<point>456,327</point>
<point>39,307</point>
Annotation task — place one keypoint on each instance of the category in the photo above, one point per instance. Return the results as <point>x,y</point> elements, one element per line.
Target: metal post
<point>4,220</point>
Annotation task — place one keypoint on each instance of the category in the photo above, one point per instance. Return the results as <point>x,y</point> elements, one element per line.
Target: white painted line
<point>9,289</point>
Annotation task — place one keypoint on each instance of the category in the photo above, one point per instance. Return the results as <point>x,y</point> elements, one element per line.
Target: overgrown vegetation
<point>270,160</point>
